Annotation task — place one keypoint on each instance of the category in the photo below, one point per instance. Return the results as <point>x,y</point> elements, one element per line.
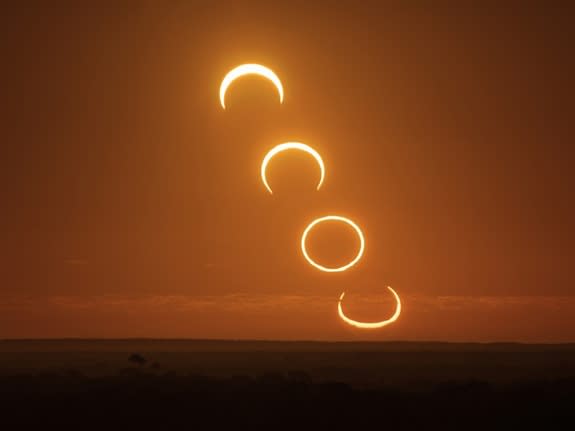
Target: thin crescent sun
<point>333,218</point>
<point>371,325</point>
<point>291,146</point>
<point>249,69</point>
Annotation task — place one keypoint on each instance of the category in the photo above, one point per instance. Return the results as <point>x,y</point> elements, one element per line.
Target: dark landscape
<point>284,384</point>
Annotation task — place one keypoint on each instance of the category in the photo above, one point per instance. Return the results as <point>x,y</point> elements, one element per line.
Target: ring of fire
<point>371,325</point>
<point>333,218</point>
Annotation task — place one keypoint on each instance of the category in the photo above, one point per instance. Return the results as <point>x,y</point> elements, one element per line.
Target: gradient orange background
<point>132,205</point>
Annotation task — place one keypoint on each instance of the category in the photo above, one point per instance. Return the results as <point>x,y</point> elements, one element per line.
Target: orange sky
<point>446,134</point>
<point>293,317</point>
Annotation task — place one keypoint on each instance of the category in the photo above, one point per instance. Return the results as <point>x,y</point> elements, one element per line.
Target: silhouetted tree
<point>137,359</point>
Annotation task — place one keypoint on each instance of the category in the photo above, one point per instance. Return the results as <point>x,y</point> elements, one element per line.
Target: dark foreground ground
<point>273,385</point>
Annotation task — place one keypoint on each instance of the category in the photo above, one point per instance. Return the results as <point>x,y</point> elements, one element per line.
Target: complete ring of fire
<point>339,219</point>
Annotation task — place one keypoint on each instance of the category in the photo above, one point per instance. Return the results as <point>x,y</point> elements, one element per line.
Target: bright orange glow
<point>291,146</point>
<point>333,218</point>
<point>370,325</point>
<point>249,69</point>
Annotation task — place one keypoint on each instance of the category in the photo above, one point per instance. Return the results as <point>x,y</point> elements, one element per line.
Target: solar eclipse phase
<point>291,146</point>
<point>266,73</point>
<point>249,69</point>
<point>370,325</point>
<point>339,219</point>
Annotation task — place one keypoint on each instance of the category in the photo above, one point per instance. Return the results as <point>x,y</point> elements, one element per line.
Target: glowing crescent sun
<point>333,218</point>
<point>249,69</point>
<point>371,325</point>
<point>291,146</point>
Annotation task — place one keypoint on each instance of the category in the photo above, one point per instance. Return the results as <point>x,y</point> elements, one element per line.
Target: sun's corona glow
<point>249,69</point>
<point>339,219</point>
<point>370,325</point>
<point>291,146</point>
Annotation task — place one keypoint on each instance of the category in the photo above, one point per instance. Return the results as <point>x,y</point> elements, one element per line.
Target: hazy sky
<point>132,205</point>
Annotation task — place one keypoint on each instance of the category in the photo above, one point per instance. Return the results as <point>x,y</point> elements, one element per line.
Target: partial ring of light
<point>333,218</point>
<point>249,69</point>
<point>291,146</point>
<point>371,325</point>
